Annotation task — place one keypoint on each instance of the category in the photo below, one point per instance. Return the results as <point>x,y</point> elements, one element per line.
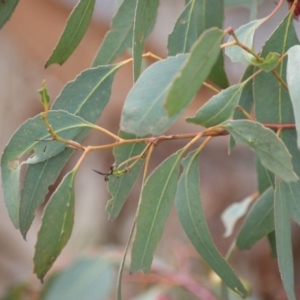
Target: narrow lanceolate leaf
<point>195,70</point>
<point>85,272</point>
<point>74,31</point>
<point>245,35</point>
<point>267,146</point>
<point>30,137</point>
<point>283,239</point>
<point>293,81</point>
<point>197,16</point>
<point>86,97</point>
<point>56,228</point>
<point>119,37</point>
<point>144,20</point>
<point>6,10</point>
<point>265,178</point>
<point>293,188</point>
<point>156,201</point>
<point>143,111</point>
<point>191,215</point>
<point>259,222</point>
<point>120,187</point>
<point>219,108</point>
<point>246,100</point>
<point>272,100</point>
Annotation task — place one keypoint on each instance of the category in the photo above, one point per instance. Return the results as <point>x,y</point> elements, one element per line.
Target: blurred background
<point>26,42</point>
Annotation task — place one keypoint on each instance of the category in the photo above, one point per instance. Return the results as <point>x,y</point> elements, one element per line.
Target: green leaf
<point>265,178</point>
<point>245,35</point>
<point>37,179</point>
<point>195,70</point>
<point>191,215</point>
<point>259,222</point>
<point>197,16</point>
<point>272,243</point>
<point>272,101</point>
<point>293,81</point>
<point>74,31</point>
<point>81,281</point>
<point>86,97</point>
<point>119,37</point>
<point>269,63</point>
<point>218,74</point>
<point>56,228</point>
<point>89,93</point>
<point>246,100</point>
<point>29,138</point>
<point>156,201</point>
<point>190,26</point>
<point>267,146</point>
<point>143,111</point>
<point>283,239</point>
<point>7,8</point>
<point>292,189</point>
<point>120,187</point>
<point>144,21</point>
<point>45,98</point>
<point>219,108</point>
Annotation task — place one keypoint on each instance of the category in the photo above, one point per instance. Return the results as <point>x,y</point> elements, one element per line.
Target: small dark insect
<point>111,172</point>
<point>3,1</point>
<point>297,10</point>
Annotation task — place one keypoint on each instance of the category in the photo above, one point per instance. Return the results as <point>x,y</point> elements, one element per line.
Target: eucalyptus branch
<point>244,112</point>
<point>243,46</point>
<point>211,87</point>
<point>56,137</point>
<point>275,73</point>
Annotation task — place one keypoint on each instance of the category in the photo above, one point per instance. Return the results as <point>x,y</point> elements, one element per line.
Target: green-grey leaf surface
<point>74,31</point>
<point>272,243</point>
<point>292,189</point>
<point>191,215</point>
<point>81,281</point>
<point>37,179</point>
<point>245,35</point>
<point>272,101</point>
<point>7,8</point>
<point>218,74</point>
<point>284,239</point>
<point>265,178</point>
<point>246,100</point>
<point>143,111</point>
<point>293,81</point>
<point>28,138</point>
<point>156,201</point>
<point>144,21</point>
<point>56,228</point>
<point>195,70</point>
<point>120,187</point>
<point>259,222</point>
<point>119,37</point>
<point>197,16</point>
<point>267,146</point>
<point>86,97</point>
<point>219,108</point>
<point>273,104</point>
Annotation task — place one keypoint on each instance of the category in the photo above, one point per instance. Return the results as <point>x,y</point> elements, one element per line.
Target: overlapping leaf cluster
<point>159,96</point>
